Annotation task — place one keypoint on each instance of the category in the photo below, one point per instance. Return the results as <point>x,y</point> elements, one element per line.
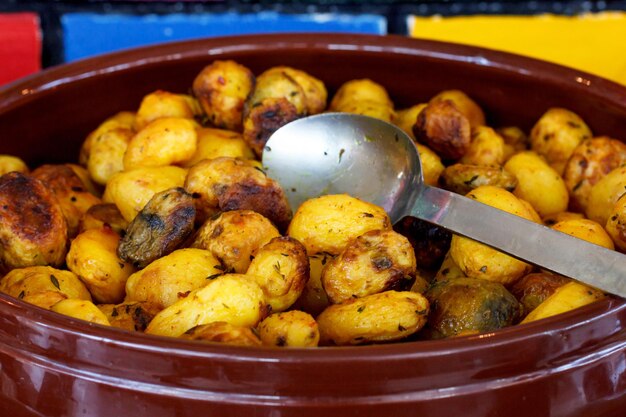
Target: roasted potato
<point>431,164</point>
<point>470,109</point>
<point>43,286</point>
<point>231,298</point>
<point>160,104</point>
<point>314,90</point>
<point>449,270</point>
<point>289,329</point>
<point>553,219</point>
<point>430,243</point>
<point>363,96</point>
<point>33,230</point>
<point>515,140</point>
<point>382,317</point>
<point>101,215</point>
<point>486,148</point>
<point>124,120</point>
<point>376,261</point>
<point>587,230</point>
<point>9,163</point>
<point>81,309</point>
<point>533,289</point>
<point>106,157</point>
<point>444,129</point>
<point>313,299</point>
<point>132,316</point>
<point>616,224</point>
<point>215,143</point>
<point>222,332</point>
<point>172,277</point>
<point>604,195</point>
<point>406,118</point>
<point>462,179</point>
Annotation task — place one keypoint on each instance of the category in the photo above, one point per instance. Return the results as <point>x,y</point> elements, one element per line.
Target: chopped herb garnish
<point>114,312</point>
<point>360,309</point>
<point>341,152</point>
<point>401,328</point>
<point>211,277</point>
<point>21,295</point>
<point>55,281</point>
<point>471,180</point>
<point>368,215</point>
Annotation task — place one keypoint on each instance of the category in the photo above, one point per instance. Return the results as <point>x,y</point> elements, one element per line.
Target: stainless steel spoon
<point>375,161</point>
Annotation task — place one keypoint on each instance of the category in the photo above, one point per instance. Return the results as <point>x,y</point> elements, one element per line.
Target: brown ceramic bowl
<point>570,365</point>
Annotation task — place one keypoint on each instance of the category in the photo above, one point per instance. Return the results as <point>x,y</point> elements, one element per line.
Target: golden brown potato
<point>515,140</point>
<point>222,88</point>
<point>231,298</point>
<point>233,237</point>
<point>604,194</point>
<point>431,164</point>
<point>130,191</point>
<point>9,163</point>
<point>172,277</point>
<point>464,104</point>
<point>449,270</point>
<point>328,223</point>
<point>363,96</point>
<point>587,230</point>
<point>133,316</point>
<point>81,309</point>
<point>159,228</point>
<point>314,90</point>
<point>486,148</point>
<point>93,257</point>
<point>538,183</point>
<point>376,261</point>
<point>556,134</point>
<point>444,129</point>
<point>33,230</point>
<point>265,118</point>
<point>313,299</point>
<point>430,243</point>
<point>382,317</point>
<point>462,179</point>
<point>124,120</point>
<point>43,286</point>
<point>86,179</point>
<point>591,160</point>
<point>289,329</point>
<point>534,288</point>
<point>558,217</point>
<point>159,104</point>
<point>214,143</point>
<point>406,118</point>
<point>468,305</point>
<point>165,141</point>
<point>616,224</point>
<point>106,157</point>
<point>103,215</point>
<point>225,184</point>
<point>281,268</point>
<point>222,332</point>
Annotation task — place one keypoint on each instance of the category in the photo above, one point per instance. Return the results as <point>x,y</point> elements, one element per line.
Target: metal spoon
<point>375,161</point>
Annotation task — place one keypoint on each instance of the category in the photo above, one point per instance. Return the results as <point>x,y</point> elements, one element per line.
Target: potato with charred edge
<point>81,309</point>
<point>382,317</point>
<point>70,192</point>
<point>33,230</point>
<point>469,305</point>
<point>103,215</point>
<point>215,143</point>
<point>374,262</point>
<point>461,178</point>
<point>233,237</point>
<point>159,228</point>
<point>222,88</point>
<point>533,289</point>
<point>430,243</point>
<point>591,160</point>
<point>122,120</point>
<point>159,104</point>
<point>363,96</point>
<point>464,104</point>
<point>314,90</point>
<point>231,298</point>
<point>132,316</point>
<point>9,163</point>
<point>444,129</point>
<point>222,332</point>
<point>616,225</point>
<point>289,329</point>
<point>604,195</point>
<point>553,219</point>
<point>172,277</point>
<point>486,148</point>
<point>225,184</point>
<point>43,286</point>
<point>281,268</point>
<point>313,299</point>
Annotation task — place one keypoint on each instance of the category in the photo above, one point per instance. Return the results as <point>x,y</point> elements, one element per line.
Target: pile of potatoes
<point>168,224</point>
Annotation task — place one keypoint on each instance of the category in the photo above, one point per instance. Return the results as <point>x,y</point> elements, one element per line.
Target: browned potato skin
<point>444,129</point>
<point>281,268</point>
<point>406,118</point>
<point>464,104</point>
<point>430,243</point>
<point>289,329</point>
<point>616,224</point>
<point>103,215</point>
<point>265,118</point>
<point>159,228</point>
<point>313,299</point>
<point>470,305</point>
<point>225,184</point>
<point>234,236</point>
<point>314,90</point>
<point>70,192</point>
<point>449,270</point>
<point>534,288</point>
<point>43,286</point>
<point>486,148</point>
<point>33,230</point>
<point>591,160</point>
<point>133,316</point>
<point>515,140</point>
<point>462,178</point>
<point>222,332</point>
<point>374,262</point>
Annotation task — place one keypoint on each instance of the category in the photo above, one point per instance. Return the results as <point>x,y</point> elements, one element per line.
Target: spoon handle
<point>523,239</point>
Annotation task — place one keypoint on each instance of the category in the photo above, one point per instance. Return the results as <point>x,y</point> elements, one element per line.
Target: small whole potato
<point>587,230</point>
<point>604,194</point>
<point>470,109</point>
<point>160,104</point>
<point>265,118</point>
<point>431,164</point>
<point>215,143</point>
<point>314,90</point>
<point>363,96</point>
<point>533,289</point>
<point>107,153</point>
<point>382,317</point>
<point>9,163</point>
<point>430,243</point>
<point>616,224</point>
<point>515,140</point>
<point>101,215</point>
<point>444,129</point>
<point>132,316</point>
<point>486,147</point>
<point>313,299</point>
<point>289,329</point>
<point>81,309</point>
<point>462,178</point>
<point>559,217</point>
<point>222,332</point>
<point>406,118</point>
<point>121,120</point>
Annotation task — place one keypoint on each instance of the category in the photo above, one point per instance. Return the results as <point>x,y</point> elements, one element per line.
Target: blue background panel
<point>87,34</point>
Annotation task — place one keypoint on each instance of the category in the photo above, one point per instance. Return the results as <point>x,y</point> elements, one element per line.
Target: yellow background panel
<point>595,43</point>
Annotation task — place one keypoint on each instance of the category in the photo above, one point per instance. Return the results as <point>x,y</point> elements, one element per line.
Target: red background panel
<point>20,45</point>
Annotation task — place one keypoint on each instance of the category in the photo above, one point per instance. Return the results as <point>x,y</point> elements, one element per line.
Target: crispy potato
<point>363,96</point>
<point>225,184</point>
<point>159,228</point>
<point>616,224</point>
<point>266,118</point>
<point>9,163</point>
<point>538,183</point>
<point>92,256</point>
<point>604,194</point>
<point>289,329</point>
<point>444,129</point>
<point>231,298</point>
<point>430,243</point>
<point>533,289</point>
<point>103,215</point>
<point>468,305</point>
<point>222,88</point>
<point>233,237</point>
<point>43,286</point>
<point>124,120</point>
<point>33,230</point>
<point>314,90</point>
<point>464,104</point>
<point>160,104</point>
<point>281,268</point>
<point>215,143</point>
<point>222,332</point>
<point>172,277</point>
<point>132,316</point>
<point>431,164</point>
<point>486,148</point>
<point>591,160</point>
<point>328,223</point>
<point>382,317</point>
<point>587,230</point>
<point>515,140</point>
<point>480,261</point>
<point>406,118</point>
<point>81,309</point>
<point>558,217</point>
<point>165,141</point>
<point>313,299</point>
<point>462,179</point>
<point>130,191</point>
<point>556,134</point>
<point>107,153</point>
<point>376,261</point>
